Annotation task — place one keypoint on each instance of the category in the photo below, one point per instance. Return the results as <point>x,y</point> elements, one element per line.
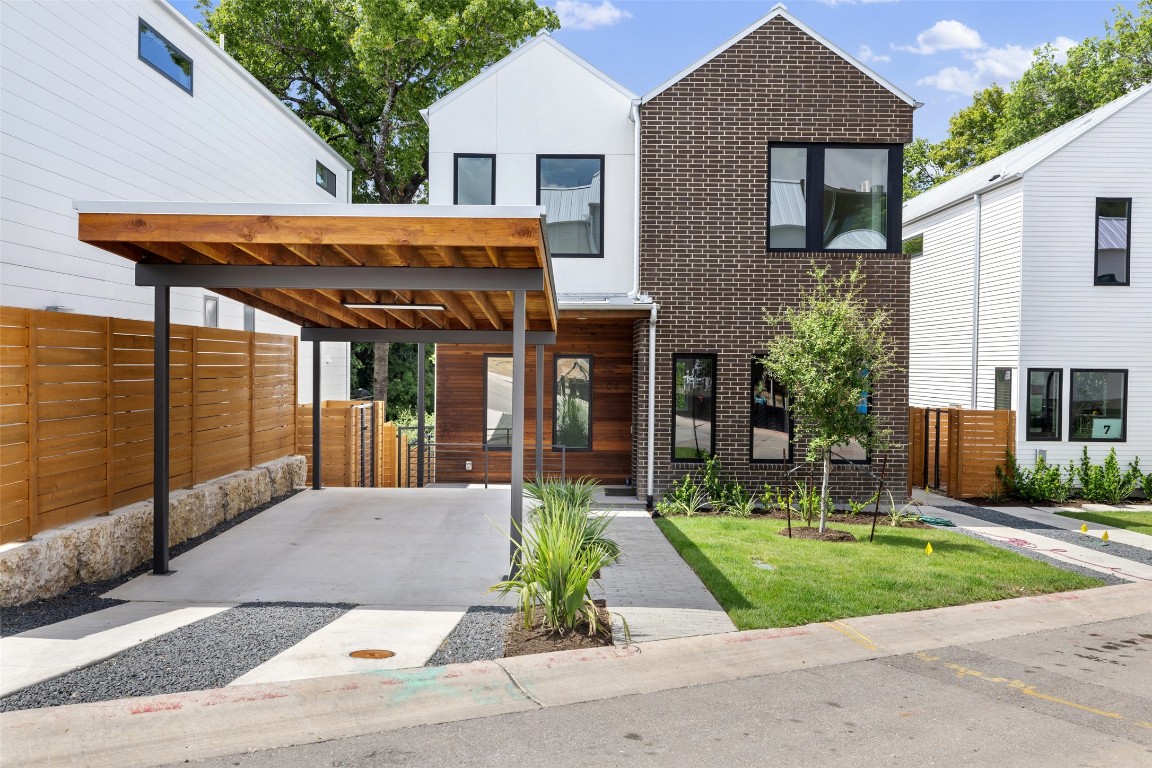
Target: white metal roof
<point>357,210</point>
<point>781,11</point>
<point>1016,162</point>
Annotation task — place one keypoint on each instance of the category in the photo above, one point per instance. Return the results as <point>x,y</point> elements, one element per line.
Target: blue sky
<point>937,51</point>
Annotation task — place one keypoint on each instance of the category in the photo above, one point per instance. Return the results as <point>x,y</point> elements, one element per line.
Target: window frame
<point>214,302</point>
<point>814,203</point>
<point>328,174</point>
<point>712,432</point>
<point>249,318</point>
<point>603,208</point>
<point>140,55</point>
<point>752,426</point>
<point>456,174</point>
<point>1123,438</point>
<point>484,411</point>
<point>1127,245</point>
<point>591,387</point>
<point>1059,405</point>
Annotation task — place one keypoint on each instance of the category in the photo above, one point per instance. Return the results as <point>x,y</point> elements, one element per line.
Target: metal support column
<point>540,412</point>
<point>420,442</point>
<point>518,323</point>
<point>160,418</point>
<point>316,416</point>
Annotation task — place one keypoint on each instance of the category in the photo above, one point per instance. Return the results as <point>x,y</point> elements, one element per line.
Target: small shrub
<point>1147,487</point>
<point>899,515</point>
<point>738,502</point>
<point>1106,484</point>
<point>712,481</point>
<point>806,502</point>
<point>857,507</point>
<point>580,492</point>
<point>683,498</point>
<point>1043,483</point>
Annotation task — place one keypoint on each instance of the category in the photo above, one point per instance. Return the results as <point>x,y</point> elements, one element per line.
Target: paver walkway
<point>653,588</point>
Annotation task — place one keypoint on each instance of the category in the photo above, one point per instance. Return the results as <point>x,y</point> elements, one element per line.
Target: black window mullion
<point>814,231</point>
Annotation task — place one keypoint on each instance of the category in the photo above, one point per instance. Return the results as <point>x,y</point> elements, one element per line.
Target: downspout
<point>649,502</point>
<point>976,199</point>
<point>632,294</point>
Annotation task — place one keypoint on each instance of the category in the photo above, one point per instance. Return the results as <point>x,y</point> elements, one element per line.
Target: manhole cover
<point>374,653</point>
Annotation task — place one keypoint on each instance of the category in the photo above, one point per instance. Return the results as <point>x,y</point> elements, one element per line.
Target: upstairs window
<point>834,197</point>
<point>571,189</point>
<point>155,51</point>
<point>1113,240</point>
<point>474,182</point>
<point>325,178</point>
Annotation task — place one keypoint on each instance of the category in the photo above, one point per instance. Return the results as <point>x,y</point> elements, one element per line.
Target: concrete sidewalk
<point>152,730</point>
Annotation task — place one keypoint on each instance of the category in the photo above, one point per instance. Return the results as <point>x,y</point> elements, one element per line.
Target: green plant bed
<point>1140,522</point>
<point>813,581</point>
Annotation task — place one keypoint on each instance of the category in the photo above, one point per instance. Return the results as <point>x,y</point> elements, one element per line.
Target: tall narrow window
<point>1002,398</point>
<point>693,407</point>
<point>572,403</point>
<point>571,189</point>
<point>325,178</point>
<point>788,209</point>
<point>770,424</point>
<point>1113,240</point>
<point>1043,404</point>
<point>249,318</point>
<point>1097,408</point>
<point>498,401</point>
<point>211,312</point>
<point>474,182</point>
<point>155,51</point>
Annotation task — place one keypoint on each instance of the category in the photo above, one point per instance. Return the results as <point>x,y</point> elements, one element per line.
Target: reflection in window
<point>325,178</point>
<point>572,402</point>
<point>1044,403</point>
<point>498,402</point>
<point>694,407</point>
<point>211,312</point>
<point>1112,242</point>
<point>855,199</point>
<point>853,452</point>
<point>787,208</point>
<point>164,57</point>
<point>771,428</point>
<point>475,180</point>
<point>1096,409</point>
<point>572,192</point>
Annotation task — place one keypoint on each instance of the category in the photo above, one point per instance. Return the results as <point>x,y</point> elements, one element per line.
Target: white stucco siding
<point>83,118</point>
<point>1067,322</point>
<point>999,331</point>
<point>545,102</point>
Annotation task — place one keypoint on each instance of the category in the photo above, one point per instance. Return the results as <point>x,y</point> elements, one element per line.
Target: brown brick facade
<point>704,183</point>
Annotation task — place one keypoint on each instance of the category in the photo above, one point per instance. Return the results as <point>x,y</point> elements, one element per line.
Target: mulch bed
<point>864,518</point>
<point>519,641</point>
<point>804,532</point>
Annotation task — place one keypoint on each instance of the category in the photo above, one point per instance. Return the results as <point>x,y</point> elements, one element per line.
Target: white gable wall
<point>999,331</point>
<point>85,119</point>
<point>545,103</point>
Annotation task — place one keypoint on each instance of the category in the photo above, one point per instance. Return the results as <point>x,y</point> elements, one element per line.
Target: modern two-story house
<point>1032,287</point>
<point>675,220</point>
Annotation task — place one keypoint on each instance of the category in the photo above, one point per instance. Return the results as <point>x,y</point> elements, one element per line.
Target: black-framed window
<point>1043,407</point>
<point>498,401</point>
<point>571,189</point>
<point>693,407</point>
<point>853,452</point>
<point>1002,392</point>
<point>770,425</point>
<point>1113,240</point>
<point>1098,405</point>
<point>473,179</point>
<point>572,402</point>
<point>154,50</point>
<point>834,197</point>
<point>325,178</point>
<point>211,312</point>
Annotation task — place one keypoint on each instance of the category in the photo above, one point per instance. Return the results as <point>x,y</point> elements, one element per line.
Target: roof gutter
<point>967,199</point>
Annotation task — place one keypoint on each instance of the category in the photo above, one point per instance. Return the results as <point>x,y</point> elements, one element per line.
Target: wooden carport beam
<point>452,254</point>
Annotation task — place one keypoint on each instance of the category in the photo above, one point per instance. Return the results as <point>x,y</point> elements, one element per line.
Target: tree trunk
<point>380,374</point>
<point>824,489</point>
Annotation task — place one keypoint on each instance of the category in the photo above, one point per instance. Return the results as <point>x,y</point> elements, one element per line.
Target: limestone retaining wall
<point>105,547</point>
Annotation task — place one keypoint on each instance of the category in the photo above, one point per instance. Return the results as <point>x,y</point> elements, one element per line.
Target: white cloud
<point>1062,45</point>
<point>989,65</point>
<point>947,35</point>
<point>868,56</point>
<point>575,14</point>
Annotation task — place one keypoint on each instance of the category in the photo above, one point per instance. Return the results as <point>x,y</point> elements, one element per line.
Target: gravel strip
<point>85,598</point>
<point>209,653</point>
<point>1126,551</point>
<point>478,636</point>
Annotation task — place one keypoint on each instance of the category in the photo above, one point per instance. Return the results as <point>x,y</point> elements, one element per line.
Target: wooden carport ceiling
<point>353,236</point>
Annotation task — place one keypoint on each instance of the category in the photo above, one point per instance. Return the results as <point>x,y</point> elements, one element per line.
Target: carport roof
<point>466,260</point>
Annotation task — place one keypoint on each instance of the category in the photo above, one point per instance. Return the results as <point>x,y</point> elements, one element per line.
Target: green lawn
<point>821,581</point>
<point>1140,522</point>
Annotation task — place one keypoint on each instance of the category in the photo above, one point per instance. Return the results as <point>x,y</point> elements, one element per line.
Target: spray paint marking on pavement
<point>1026,689</point>
<point>855,636</point>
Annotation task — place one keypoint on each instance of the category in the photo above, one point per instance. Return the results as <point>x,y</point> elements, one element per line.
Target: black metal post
<point>375,458</point>
<point>517,501</point>
<point>420,415</point>
<point>540,412</point>
<point>316,486</point>
<point>160,418</point>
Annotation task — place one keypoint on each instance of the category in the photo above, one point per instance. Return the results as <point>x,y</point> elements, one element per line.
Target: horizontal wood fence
<point>76,412</point>
<point>359,446</point>
<point>956,450</point>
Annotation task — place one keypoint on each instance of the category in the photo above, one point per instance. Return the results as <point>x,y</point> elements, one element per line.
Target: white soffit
<point>779,10</point>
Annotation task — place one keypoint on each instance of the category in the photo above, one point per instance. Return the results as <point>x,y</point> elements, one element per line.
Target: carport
<point>344,273</point>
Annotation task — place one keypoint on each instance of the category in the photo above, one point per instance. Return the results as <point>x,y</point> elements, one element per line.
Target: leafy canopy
<point>359,71</point>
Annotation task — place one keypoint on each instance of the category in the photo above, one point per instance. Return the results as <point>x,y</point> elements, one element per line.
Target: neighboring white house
<point>130,101</point>
<point>1034,287</point>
